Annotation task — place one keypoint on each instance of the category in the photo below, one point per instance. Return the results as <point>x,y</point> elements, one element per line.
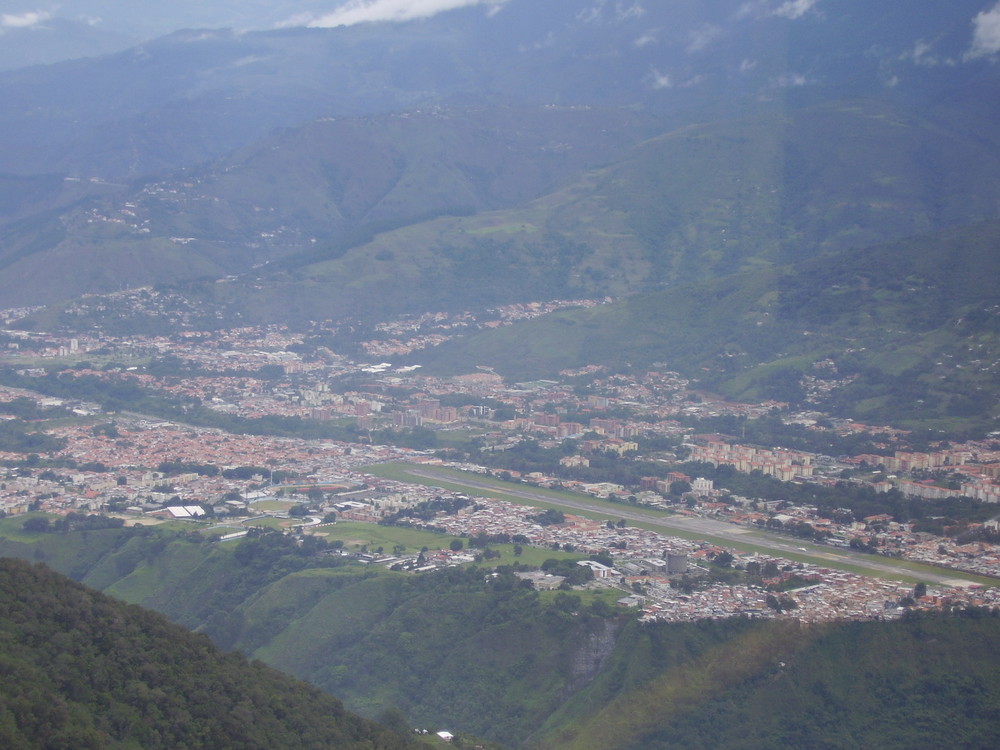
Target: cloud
<point>922,54</point>
<point>660,80</point>
<point>795,8</point>
<point>985,34</point>
<point>625,12</point>
<point>621,11</point>
<point>701,37</point>
<point>650,37</point>
<point>761,9</point>
<point>592,14</point>
<point>790,81</point>
<point>364,11</point>
<point>24,20</point>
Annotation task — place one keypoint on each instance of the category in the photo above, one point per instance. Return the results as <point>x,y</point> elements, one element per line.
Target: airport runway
<point>713,530</point>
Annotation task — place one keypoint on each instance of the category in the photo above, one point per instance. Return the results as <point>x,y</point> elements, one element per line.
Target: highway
<point>712,530</point>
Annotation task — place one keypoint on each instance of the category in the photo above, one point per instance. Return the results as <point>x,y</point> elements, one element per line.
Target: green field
<point>355,534</point>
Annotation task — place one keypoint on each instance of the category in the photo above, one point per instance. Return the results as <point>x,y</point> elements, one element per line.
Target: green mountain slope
<point>81,670</point>
<point>913,684</point>
<point>914,323</point>
<point>437,647</point>
<point>478,653</point>
<point>481,205</point>
<point>691,204</point>
<point>323,182</point>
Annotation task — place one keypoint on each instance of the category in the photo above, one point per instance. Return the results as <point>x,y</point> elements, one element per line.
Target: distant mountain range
<point>499,152</point>
<point>195,95</point>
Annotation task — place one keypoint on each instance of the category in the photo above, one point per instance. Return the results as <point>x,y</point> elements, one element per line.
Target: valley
<point>527,376</point>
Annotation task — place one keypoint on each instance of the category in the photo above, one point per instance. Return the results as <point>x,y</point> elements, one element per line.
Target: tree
<point>39,524</point>
<point>456,545</point>
<point>567,602</point>
<point>549,517</point>
<point>723,559</point>
<point>679,487</point>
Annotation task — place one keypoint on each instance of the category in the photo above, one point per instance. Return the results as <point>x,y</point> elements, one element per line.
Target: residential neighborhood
<point>145,468</point>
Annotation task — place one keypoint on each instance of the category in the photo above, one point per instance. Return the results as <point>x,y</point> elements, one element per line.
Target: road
<point>713,530</point>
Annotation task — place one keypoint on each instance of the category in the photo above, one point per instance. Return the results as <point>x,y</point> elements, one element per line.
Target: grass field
<point>355,534</point>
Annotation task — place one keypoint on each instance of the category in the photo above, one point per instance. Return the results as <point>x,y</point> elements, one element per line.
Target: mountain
<point>485,204</point>
<point>777,685</point>
<point>83,670</point>
<point>516,151</point>
<point>323,182</point>
<point>558,670</point>
<point>34,38</point>
<point>910,329</point>
<point>195,95</point>
<point>689,204</point>
<point>776,130</point>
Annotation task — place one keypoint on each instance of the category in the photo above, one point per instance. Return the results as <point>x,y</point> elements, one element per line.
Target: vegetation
<point>82,670</point>
<point>425,645</point>
<point>563,668</point>
<point>910,331</point>
<point>17,437</point>
<point>777,685</point>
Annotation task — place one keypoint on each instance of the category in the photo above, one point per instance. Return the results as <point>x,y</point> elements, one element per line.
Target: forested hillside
<point>558,670</point>
<point>82,670</point>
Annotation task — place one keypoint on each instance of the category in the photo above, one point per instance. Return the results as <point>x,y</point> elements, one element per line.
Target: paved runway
<point>713,530</point>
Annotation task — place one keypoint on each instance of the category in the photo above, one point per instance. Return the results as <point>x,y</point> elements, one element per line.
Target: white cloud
<point>795,8</point>
<point>701,37</point>
<point>660,80</point>
<point>985,34</point>
<point>747,65</point>
<point>626,12</point>
<point>761,9</point>
<point>650,37</point>
<point>24,20</point>
<point>751,9</point>
<point>923,55</point>
<point>790,80</point>
<point>362,11</point>
<point>622,11</point>
<point>591,14</point>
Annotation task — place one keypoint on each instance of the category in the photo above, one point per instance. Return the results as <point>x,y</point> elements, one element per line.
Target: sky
<point>148,18</point>
<point>360,11</point>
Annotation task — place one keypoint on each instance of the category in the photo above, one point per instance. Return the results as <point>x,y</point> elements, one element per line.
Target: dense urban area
<point>264,427</point>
